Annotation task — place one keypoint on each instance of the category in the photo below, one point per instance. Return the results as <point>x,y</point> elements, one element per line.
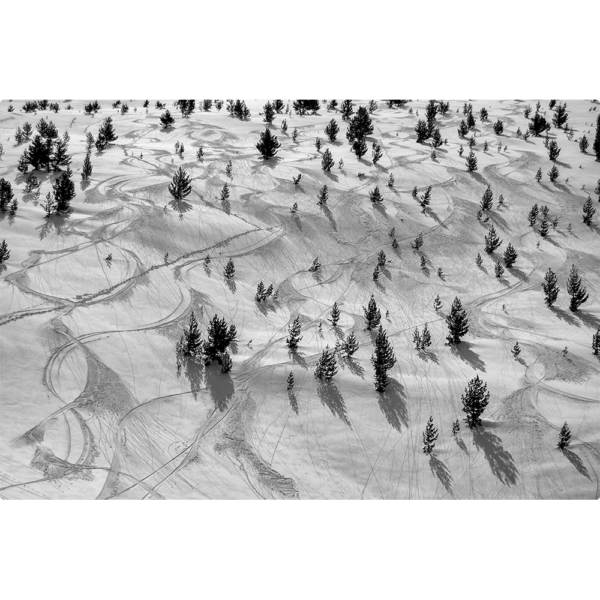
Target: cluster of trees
<point>359,127</point>
<point>63,191</point>
<point>304,106</point>
<point>47,150</point>
<point>238,109</point>
<point>219,336</point>
<point>91,108</point>
<point>186,107</point>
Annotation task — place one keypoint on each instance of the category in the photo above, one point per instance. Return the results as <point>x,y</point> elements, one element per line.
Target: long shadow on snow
<point>576,462</point>
<point>466,354</point>
<point>500,460</point>
<point>393,405</point>
<point>441,471</point>
<point>329,394</point>
<point>220,386</point>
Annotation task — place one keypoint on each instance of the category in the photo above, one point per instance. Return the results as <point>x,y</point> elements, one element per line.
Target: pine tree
<point>260,295</point>
<point>553,150</point>
<point>229,271</point>
<point>181,185</point>
<point>425,338</point>
<point>372,314</point>
<point>294,336</point>
<point>359,147</point>
<point>475,399</point>
<point>463,129</point>
<point>268,144</point>
<point>455,427</point>
<point>383,359</point>
<point>516,350</point>
<point>487,200</point>
<point>318,144</point>
<point>492,241</point>
<point>418,241</point>
<point>458,322</point>
<point>381,258</point>
<point>576,290</point>
<point>225,193</point>
<point>583,144</point>
<point>377,153</point>
<point>167,120</point>
<point>479,260</point>
<point>86,171</point>
<point>499,270</point>
<point>390,183</point>
<point>316,265</point>
<point>4,252</point>
<point>483,114</point>
<point>437,303</point>
<point>376,273</point>
<point>63,190</point>
<point>588,211</point>
<point>219,336</point>
<point>596,341</point>
<point>470,120</point>
<point>290,381</point>
<point>560,117</point>
<point>564,437</point>
<point>426,197</point>
<point>323,196</point>
<point>187,107</point>
<point>596,144</point>
<point>60,157</point>
<point>346,109</point>
<point>200,153</point>
<point>422,131</point>
<point>327,162</point>
<point>375,195</point>
<point>510,256</point>
<point>395,244</point>
<point>498,127</point>
<point>538,175</point>
<point>471,162</point>
<point>538,125</point>
<point>533,215</point>
<point>550,287</point>
<point>360,125</point>
<point>417,339</point>
<point>191,344</point>
<point>335,315</point>
<point>350,345</point>
<point>6,194</point>
<point>430,435</point>
<point>106,134</point>
<point>269,113</point>
<point>331,130</point>
<point>326,365</point>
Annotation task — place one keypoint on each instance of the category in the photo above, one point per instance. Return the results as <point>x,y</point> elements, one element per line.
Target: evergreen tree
<point>225,193</point>
<point>63,190</point>
<point>426,197</point>
<point>471,162</point>
<point>583,144</point>
<point>229,271</point>
<point>60,157</point>
<point>294,336</point>
<point>290,381</point>
<point>50,206</point>
<point>560,117</point>
<point>390,183</point>
<point>332,105</point>
<point>376,273</point>
<point>327,162</point>
<point>479,260</point>
<point>395,244</point>
<point>381,258</point>
<point>499,270</point>
<point>268,144</point>
<point>474,401</point>
<point>533,215</point>
<point>498,127</point>
<point>350,345</point>
<point>181,185</point>
<point>510,256</point>
<point>538,125</point>
<point>326,365</point>
<point>106,134</point>
<point>492,241</point>
<point>596,341</point>
<point>588,211</point>
<point>86,171</point>
<point>4,252</point>
<point>375,195</point>
<point>346,109</point>
<point>487,200</point>
<point>260,295</point>
<point>323,196</point>
<point>463,129</point>
<point>359,147</point>
<point>6,194</point>
<point>538,175</point>
<point>38,154</point>
<point>430,435</point>
<point>576,290</point>
<point>516,350</point>
<point>89,141</point>
<point>383,359</point>
<point>596,144</point>
<point>553,173</point>
<point>550,287</point>
<point>316,265</point>
<point>278,106</point>
<point>187,107</point>
<point>167,120</point>
<point>483,114</point>
<point>331,130</point>
<point>470,120</point>
<point>269,113</point>
<point>200,153</point>
<point>437,303</point>
<point>191,344</point>
<point>219,336</point>
<point>372,314</point>
<point>455,427</point>
<point>284,126</point>
<point>295,134</point>
<point>458,322</point>
<point>564,437</point>
<point>425,338</point>
<point>335,315</point>
<point>553,150</point>
<point>422,131</point>
<point>377,153</point>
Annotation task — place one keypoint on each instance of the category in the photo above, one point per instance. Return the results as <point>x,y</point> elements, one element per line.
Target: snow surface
<point>90,402</point>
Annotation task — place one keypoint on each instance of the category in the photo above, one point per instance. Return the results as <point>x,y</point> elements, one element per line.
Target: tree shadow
<point>329,395</point>
<point>297,222</point>
<point>230,283</point>
<point>441,471</point>
<point>461,445</point>
<point>353,366</point>
<point>181,206</point>
<point>589,319</point>
<point>293,401</point>
<point>220,386</point>
<point>518,273</point>
<point>85,184</point>
<point>386,273</point>
<point>332,176</point>
<point>576,462</point>
<point>429,355</point>
<point>500,460</point>
<point>298,358</point>
<point>466,354</point>
<point>563,315</point>
<point>329,216</point>
<point>193,371</point>
<point>57,223</point>
<point>317,276</point>
<point>393,405</point>
<point>380,208</point>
